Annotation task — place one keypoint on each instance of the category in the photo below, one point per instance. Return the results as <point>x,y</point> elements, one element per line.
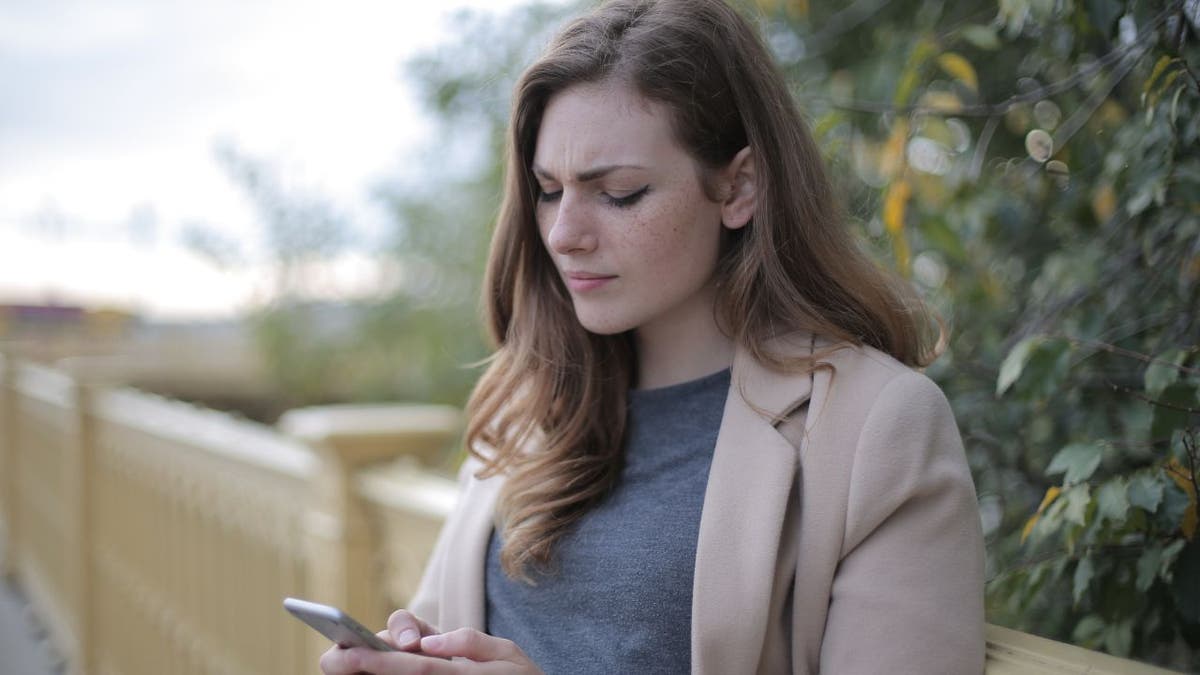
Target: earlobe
<point>742,178</point>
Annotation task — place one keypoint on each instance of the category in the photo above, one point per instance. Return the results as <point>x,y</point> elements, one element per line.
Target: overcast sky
<point>111,111</point>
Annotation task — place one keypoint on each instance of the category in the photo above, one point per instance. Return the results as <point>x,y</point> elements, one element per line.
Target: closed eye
<point>547,197</point>
<point>627,200</point>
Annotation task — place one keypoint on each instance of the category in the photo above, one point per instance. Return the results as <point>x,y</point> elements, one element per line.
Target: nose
<point>571,232</point>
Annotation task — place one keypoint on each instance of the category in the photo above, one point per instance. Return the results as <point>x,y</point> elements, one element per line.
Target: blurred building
<point>213,362</point>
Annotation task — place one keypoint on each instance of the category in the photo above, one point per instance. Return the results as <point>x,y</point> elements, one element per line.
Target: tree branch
<point>1143,39</point>
<point>1113,349</point>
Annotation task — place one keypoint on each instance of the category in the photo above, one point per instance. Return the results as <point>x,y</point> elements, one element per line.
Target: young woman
<point>701,445</point>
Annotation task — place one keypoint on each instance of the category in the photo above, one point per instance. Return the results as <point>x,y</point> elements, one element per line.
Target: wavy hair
<point>550,410</point>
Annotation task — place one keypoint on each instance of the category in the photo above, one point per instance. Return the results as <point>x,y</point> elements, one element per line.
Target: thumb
<point>406,629</point>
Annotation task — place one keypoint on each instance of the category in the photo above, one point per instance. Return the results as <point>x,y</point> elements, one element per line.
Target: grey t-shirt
<point>619,599</point>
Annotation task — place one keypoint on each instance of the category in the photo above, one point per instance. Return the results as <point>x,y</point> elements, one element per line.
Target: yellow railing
<point>153,536</point>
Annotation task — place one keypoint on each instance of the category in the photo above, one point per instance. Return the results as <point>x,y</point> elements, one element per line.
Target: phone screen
<point>335,624</point>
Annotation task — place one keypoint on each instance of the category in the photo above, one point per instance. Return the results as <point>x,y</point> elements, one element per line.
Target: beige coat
<point>860,552</point>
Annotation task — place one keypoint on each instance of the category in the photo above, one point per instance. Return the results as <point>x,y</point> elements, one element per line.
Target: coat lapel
<point>463,583</point>
<point>745,503</point>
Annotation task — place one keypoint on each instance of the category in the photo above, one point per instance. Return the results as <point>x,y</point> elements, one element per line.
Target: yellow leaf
<point>901,251</point>
<point>798,8</point>
<point>1104,202</point>
<point>911,74</point>
<point>1111,114</point>
<point>942,101</point>
<point>895,203</point>
<point>1159,67</point>
<point>1166,84</point>
<point>960,69</point>
<point>1183,478</point>
<point>1051,494</point>
<point>891,160</point>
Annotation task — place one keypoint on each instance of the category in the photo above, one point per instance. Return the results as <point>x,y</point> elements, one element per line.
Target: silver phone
<point>335,624</point>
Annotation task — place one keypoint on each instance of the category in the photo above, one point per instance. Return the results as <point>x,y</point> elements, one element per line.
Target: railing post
<point>79,502</point>
<point>344,544</point>
<point>10,502</point>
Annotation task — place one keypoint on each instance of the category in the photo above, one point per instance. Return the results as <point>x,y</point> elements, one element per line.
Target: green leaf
<point>1164,371</point>
<point>1015,362</point>
<point>983,37</point>
<point>1118,639</point>
<point>1088,631</point>
<point>1111,501</point>
<point>1077,500</point>
<point>1084,572</point>
<point>1146,492</point>
<point>910,76</point>
<point>1078,460</point>
<point>1141,201</point>
<point>1046,367</point>
<point>1171,410</point>
<point>939,235</point>
<point>1148,566</point>
<point>1175,504</point>
<point>1169,555</point>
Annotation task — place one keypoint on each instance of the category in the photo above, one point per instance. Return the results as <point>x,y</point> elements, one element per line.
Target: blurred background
<point>263,206</point>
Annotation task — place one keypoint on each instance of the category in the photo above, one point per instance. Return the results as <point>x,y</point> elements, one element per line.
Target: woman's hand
<point>461,651</point>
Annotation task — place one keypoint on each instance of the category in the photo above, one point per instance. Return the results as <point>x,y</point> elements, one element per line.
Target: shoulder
<point>879,422</point>
<point>874,382</point>
<point>887,434</point>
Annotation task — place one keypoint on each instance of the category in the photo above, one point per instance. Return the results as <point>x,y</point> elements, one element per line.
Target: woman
<point>701,444</point>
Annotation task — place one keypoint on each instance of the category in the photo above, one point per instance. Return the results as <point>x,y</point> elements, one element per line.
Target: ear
<point>740,190</point>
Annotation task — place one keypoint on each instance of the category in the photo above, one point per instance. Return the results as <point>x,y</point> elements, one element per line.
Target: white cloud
<point>118,105</point>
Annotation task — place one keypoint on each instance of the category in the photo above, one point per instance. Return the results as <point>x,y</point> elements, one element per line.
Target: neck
<point>675,349</point>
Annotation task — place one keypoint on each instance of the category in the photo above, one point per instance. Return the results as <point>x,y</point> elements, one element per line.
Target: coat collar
<point>736,553</point>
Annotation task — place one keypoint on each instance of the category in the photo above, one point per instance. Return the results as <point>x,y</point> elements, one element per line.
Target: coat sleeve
<point>907,596</point>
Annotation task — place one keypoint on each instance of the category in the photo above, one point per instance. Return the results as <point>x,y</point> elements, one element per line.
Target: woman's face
<point>621,211</point>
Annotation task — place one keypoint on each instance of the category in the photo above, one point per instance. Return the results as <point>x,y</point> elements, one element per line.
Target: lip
<point>586,281</point>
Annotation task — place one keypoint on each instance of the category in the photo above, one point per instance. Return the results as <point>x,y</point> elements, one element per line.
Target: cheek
<point>543,220</point>
<point>676,242</point>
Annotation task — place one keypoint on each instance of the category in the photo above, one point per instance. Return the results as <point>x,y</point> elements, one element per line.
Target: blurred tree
<point>419,342</point>
<point>1033,166</point>
<point>446,207</point>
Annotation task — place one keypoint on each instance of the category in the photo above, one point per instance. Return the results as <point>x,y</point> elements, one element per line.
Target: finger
<point>406,629</point>
<point>387,637</point>
<point>364,660</point>
<point>471,644</point>
<point>335,661</point>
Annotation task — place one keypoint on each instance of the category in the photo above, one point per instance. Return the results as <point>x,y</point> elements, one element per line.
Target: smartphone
<point>335,624</point>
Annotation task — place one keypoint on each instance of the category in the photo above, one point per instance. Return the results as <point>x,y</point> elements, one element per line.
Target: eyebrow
<point>590,174</point>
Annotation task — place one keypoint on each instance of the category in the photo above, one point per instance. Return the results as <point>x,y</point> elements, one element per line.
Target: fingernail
<point>431,641</point>
<point>408,635</point>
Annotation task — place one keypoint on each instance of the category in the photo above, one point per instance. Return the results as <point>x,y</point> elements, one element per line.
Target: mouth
<point>586,281</point>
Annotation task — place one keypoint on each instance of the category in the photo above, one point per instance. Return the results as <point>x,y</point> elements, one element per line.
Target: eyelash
<point>618,202</point>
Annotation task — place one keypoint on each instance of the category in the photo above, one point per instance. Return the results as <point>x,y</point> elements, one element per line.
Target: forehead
<point>593,124</point>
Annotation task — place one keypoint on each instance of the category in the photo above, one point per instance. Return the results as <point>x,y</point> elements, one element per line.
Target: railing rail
<point>153,536</point>
<point>157,537</point>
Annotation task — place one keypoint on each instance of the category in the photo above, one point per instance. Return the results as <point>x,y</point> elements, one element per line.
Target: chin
<point>603,328</point>
<point>604,325</point>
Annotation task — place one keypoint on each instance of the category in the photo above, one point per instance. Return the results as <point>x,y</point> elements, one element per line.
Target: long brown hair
<point>549,412</point>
